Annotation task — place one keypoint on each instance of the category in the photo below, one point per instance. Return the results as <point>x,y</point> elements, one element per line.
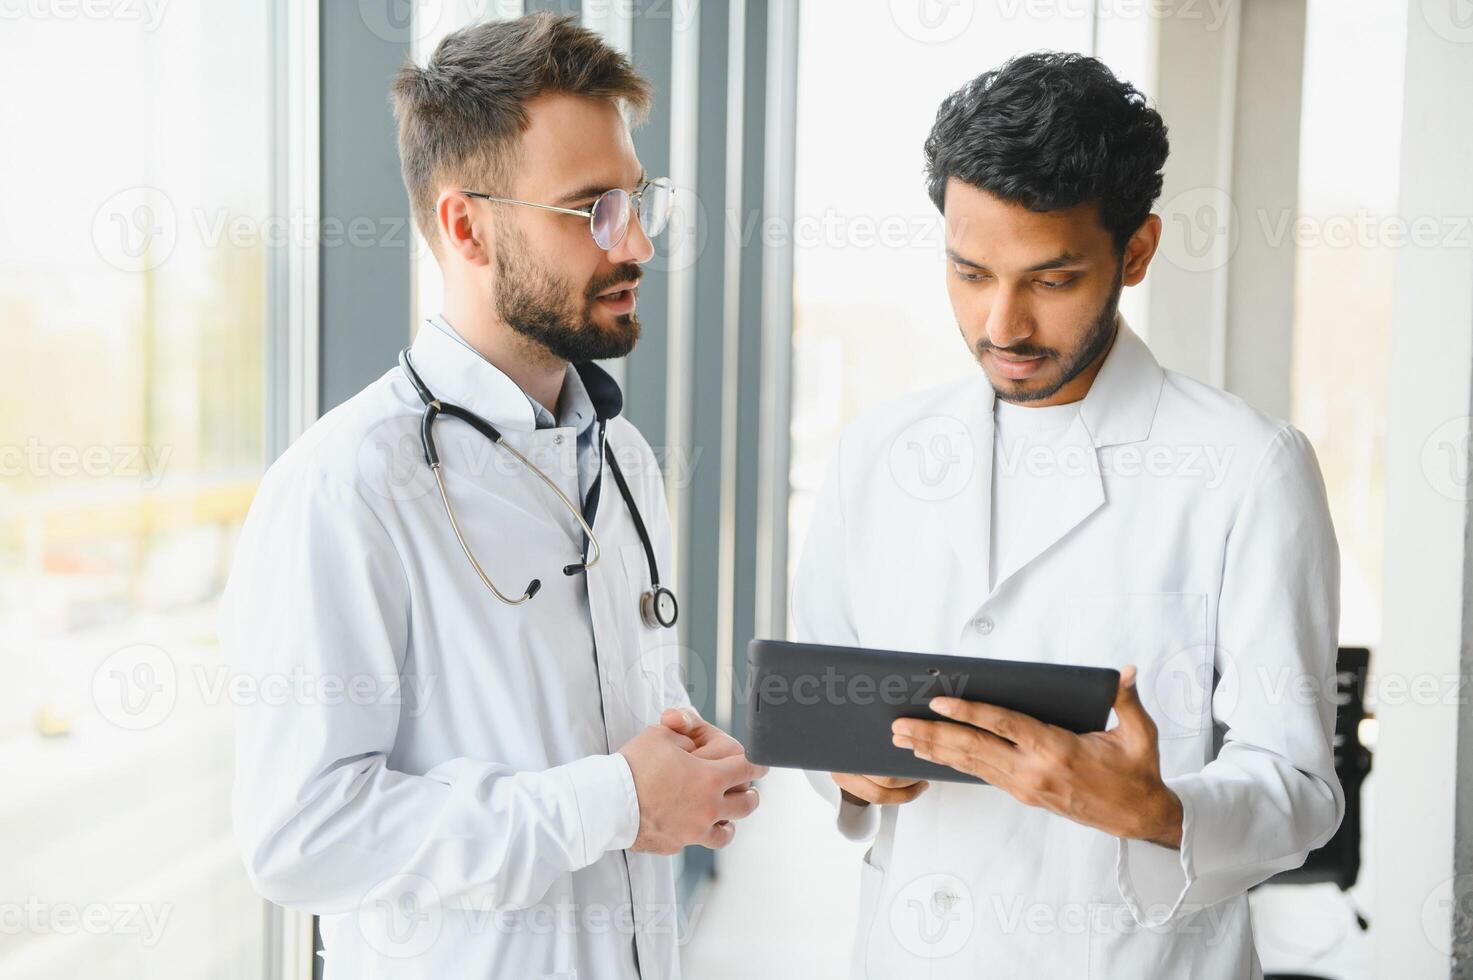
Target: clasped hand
<point>693,781</point>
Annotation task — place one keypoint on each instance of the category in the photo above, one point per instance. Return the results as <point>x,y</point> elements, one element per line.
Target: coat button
<point>557,440</point>
<point>942,901</point>
<point>983,625</point>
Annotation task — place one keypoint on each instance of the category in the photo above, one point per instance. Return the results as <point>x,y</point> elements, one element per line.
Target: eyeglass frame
<point>635,197</point>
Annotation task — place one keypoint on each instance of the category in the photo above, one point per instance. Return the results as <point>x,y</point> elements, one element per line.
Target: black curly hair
<point>1052,130</point>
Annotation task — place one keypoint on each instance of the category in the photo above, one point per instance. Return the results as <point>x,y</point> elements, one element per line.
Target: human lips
<point>621,298</point>
<point>1016,368</point>
<point>620,287</point>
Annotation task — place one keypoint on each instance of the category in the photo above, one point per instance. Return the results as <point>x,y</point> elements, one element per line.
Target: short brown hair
<point>462,115</point>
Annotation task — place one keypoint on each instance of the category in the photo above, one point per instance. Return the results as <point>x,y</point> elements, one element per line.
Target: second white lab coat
<point>433,772</point>
<point>1183,532</point>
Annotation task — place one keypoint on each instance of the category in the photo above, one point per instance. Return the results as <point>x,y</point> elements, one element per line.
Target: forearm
<point>1160,819</point>
<point>468,827</point>
<point>1244,818</point>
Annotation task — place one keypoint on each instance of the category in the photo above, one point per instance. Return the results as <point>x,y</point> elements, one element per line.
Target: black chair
<point>1339,859</point>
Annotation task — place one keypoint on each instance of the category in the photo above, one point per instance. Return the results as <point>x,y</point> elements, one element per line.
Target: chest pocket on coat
<point>1165,635</point>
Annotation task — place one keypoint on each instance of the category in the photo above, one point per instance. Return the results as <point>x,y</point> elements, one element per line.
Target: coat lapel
<point>1119,408</point>
<point>1060,504</point>
<point>967,516</point>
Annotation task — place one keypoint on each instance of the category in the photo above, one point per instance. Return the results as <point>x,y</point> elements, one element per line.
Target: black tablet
<point>829,708</point>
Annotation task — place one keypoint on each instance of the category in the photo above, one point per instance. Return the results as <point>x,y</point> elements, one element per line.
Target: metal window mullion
<point>770,612</point>
<point>293,329</point>
<point>727,559</point>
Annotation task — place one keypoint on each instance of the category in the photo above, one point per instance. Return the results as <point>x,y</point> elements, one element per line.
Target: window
<point>1346,237</point>
<point>133,285</point>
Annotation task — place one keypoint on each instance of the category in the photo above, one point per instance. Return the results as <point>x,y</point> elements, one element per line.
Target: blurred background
<point>206,245</point>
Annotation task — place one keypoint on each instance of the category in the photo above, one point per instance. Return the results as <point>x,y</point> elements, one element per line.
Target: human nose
<point>635,246</point>
<point>1008,321</point>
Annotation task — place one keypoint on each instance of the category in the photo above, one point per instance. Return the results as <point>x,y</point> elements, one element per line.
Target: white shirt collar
<point>456,372</point>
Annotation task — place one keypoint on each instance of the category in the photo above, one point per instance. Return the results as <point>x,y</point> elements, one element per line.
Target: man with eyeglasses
<point>480,784</point>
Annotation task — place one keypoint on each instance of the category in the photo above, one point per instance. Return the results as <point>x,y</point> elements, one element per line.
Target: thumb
<point>1135,721</point>
<point>683,720</point>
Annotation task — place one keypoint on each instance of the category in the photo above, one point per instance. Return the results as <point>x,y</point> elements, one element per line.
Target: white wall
<point>1426,633</point>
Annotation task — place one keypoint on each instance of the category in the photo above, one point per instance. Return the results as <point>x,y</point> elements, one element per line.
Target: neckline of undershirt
<point>1034,418</point>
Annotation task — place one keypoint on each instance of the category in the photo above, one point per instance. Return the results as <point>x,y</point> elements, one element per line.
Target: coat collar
<point>454,372</point>
<point>1121,403</point>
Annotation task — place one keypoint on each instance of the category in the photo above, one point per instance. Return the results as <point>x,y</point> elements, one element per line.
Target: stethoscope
<point>657,606</point>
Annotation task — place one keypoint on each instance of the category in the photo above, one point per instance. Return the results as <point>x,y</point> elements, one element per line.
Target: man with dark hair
<point>478,782</point>
<point>1079,506</point>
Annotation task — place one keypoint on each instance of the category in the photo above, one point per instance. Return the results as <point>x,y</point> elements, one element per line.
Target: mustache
<point>1017,350</point>
<point>627,275</point>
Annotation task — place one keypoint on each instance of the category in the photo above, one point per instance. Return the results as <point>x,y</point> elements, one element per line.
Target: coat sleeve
<point>822,613</point>
<point>1271,795</point>
<point>323,821</point>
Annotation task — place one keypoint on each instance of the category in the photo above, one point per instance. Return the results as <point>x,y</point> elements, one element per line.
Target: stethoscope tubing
<point>434,407</point>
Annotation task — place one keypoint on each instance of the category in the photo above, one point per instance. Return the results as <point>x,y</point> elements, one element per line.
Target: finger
<point>679,740</point>
<point>722,746</point>
<point>961,761</point>
<point>870,791</point>
<point>1136,723</point>
<point>720,834</point>
<point>891,782</point>
<point>738,804</point>
<point>966,740</point>
<point>903,794</point>
<point>1016,727</point>
<point>735,770</point>
<point>685,720</point>
<point>719,748</point>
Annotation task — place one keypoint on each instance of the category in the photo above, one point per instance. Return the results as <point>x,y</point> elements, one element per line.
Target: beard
<point>541,305</point>
<point>1096,340</point>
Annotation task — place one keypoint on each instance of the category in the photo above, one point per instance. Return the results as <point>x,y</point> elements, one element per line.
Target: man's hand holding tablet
<point>830,709</point>
<point>861,790</point>
<point>1107,780</point>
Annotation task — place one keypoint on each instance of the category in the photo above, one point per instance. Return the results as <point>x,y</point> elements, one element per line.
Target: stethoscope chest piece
<point>658,608</point>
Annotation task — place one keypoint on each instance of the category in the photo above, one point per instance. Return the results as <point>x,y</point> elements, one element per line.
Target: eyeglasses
<point>608,218</point>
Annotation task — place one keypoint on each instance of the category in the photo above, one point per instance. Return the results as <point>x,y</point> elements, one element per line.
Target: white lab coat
<point>438,784</point>
<point>1185,533</point>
